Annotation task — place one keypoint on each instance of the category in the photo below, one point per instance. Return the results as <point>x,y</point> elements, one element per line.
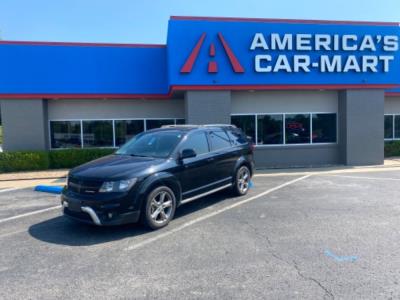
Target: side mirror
<point>187,153</point>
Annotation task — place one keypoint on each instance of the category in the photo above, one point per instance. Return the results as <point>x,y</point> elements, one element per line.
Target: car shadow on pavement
<point>63,231</point>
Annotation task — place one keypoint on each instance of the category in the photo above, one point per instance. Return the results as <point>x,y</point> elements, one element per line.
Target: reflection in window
<point>324,128</point>
<point>152,124</point>
<point>65,134</point>
<point>396,127</point>
<point>297,128</point>
<point>219,140</point>
<point>97,134</point>
<point>269,129</point>
<point>198,142</point>
<point>389,127</point>
<point>247,124</point>
<point>127,129</point>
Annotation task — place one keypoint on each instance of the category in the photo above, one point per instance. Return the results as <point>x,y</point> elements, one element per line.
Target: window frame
<point>284,144</point>
<point>100,119</point>
<point>393,115</point>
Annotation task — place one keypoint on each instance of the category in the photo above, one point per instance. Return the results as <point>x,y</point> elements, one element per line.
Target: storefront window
<point>152,124</point>
<point>324,128</point>
<point>246,123</point>
<point>269,129</point>
<point>396,127</point>
<point>389,127</point>
<point>297,128</point>
<point>180,121</point>
<point>127,129</point>
<point>65,134</point>
<point>97,134</point>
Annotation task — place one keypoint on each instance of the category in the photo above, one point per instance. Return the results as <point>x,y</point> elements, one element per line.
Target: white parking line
<point>9,190</point>
<point>30,214</point>
<point>207,216</point>
<point>368,178</point>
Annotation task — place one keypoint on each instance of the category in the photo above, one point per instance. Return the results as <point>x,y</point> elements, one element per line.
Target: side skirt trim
<point>206,193</point>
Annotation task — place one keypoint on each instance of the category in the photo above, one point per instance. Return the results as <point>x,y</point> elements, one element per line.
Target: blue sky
<point>145,21</point>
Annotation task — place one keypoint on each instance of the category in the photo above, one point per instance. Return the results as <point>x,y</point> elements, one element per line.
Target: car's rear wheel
<point>242,181</point>
<point>159,208</point>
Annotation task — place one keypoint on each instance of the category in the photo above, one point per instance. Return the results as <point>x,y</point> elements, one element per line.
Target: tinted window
<point>65,134</point>
<point>270,129</point>
<point>247,124</point>
<point>180,121</point>
<point>153,144</point>
<point>97,134</point>
<point>396,127</point>
<point>297,128</point>
<point>389,127</point>
<point>324,128</point>
<point>237,136</point>
<point>125,130</point>
<point>152,124</point>
<point>219,140</point>
<point>198,142</point>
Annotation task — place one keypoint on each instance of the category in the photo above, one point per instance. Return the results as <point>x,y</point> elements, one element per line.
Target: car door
<point>196,172</point>
<point>224,156</point>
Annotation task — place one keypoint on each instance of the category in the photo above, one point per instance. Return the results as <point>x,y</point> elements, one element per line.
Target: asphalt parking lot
<point>292,237</point>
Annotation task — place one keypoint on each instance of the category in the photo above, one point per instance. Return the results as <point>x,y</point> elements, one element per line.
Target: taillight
<point>252,146</point>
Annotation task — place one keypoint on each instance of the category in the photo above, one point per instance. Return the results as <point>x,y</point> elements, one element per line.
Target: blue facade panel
<point>65,69</point>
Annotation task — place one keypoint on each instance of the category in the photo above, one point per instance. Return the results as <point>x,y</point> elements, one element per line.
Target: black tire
<point>156,203</point>
<point>241,183</point>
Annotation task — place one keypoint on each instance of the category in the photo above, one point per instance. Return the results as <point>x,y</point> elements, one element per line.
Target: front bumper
<point>99,211</point>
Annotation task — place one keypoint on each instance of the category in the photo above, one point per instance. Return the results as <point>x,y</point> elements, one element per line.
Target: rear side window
<point>219,140</point>
<point>237,137</point>
<point>198,142</point>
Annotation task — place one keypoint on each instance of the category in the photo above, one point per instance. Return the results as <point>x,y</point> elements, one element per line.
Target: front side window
<point>97,134</point>
<point>269,129</point>
<point>125,130</point>
<point>246,123</point>
<point>65,134</point>
<point>324,128</point>
<point>219,140</point>
<point>152,144</point>
<point>297,128</point>
<point>198,142</point>
<point>152,124</point>
<point>389,127</point>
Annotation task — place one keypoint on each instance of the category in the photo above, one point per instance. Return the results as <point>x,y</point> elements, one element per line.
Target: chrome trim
<point>92,214</point>
<point>207,185</point>
<point>206,193</point>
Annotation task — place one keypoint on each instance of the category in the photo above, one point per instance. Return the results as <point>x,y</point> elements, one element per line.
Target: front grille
<point>83,186</point>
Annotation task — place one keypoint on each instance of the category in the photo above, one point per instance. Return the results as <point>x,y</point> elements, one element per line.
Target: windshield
<point>158,144</point>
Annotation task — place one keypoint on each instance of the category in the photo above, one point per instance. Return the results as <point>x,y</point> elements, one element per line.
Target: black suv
<point>156,171</point>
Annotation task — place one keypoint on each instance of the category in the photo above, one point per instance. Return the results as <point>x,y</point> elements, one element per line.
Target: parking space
<point>292,236</point>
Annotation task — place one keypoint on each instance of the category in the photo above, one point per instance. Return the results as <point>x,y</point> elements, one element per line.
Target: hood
<point>116,167</point>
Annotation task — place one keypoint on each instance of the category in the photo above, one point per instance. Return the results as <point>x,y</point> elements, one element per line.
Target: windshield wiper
<point>138,155</point>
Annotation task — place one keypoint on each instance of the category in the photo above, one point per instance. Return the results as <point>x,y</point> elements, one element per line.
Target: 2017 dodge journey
<point>156,171</point>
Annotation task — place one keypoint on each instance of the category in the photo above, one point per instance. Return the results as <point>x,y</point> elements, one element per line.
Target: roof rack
<point>203,125</point>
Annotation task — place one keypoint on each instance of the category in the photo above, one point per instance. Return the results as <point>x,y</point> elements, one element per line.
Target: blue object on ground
<point>341,258</point>
<point>251,184</point>
<point>49,189</point>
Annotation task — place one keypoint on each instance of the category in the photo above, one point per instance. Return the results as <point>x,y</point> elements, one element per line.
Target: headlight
<point>117,186</point>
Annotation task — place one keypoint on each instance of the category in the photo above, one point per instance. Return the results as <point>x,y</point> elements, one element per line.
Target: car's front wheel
<point>242,181</point>
<point>159,208</point>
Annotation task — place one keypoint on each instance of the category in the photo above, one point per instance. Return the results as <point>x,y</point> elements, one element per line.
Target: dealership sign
<point>218,52</point>
<point>367,45</point>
